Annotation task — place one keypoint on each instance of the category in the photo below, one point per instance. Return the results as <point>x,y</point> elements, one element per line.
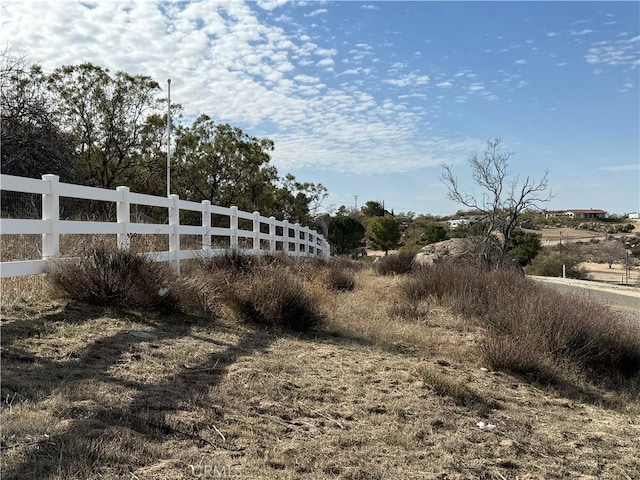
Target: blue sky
<point>370,98</point>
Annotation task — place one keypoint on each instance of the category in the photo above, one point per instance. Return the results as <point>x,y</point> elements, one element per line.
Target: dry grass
<point>372,395</point>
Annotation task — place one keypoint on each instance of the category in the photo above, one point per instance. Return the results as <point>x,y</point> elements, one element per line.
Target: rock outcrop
<point>448,250</point>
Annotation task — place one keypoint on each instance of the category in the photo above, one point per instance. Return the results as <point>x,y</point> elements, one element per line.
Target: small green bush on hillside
<point>549,264</point>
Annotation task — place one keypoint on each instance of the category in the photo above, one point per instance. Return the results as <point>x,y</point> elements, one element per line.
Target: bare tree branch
<point>505,200</point>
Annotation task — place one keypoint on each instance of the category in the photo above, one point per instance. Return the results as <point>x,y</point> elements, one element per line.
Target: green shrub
<point>549,264</point>
<point>394,264</point>
<point>108,276</point>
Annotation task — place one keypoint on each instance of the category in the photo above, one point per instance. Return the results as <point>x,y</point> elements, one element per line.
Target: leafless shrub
<point>341,277</point>
<point>108,276</point>
<point>394,264</point>
<point>274,297</point>
<point>529,328</point>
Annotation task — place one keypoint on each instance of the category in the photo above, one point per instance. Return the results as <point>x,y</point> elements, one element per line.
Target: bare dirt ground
<point>85,395</point>
<point>601,272</point>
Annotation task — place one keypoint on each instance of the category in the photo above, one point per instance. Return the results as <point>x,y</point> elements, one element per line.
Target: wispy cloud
<point>317,12</point>
<point>586,31</point>
<point>406,80</point>
<point>521,61</point>
<point>369,7</point>
<point>446,84</point>
<point>621,52</point>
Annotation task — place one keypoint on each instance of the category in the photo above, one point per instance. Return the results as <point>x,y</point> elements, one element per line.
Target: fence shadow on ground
<point>71,383</point>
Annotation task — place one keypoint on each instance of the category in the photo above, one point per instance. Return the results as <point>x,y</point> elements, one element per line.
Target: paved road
<point>623,299</point>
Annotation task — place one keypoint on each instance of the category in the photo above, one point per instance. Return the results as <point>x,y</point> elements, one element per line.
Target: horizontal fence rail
<point>266,235</point>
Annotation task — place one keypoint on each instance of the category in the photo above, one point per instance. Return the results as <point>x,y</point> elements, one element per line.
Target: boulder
<point>447,250</point>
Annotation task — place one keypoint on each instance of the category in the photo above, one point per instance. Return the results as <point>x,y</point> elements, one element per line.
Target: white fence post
<point>174,236</point>
<point>272,235</point>
<point>309,245</point>
<point>285,236</point>
<point>311,241</point>
<point>206,223</point>
<point>51,212</point>
<point>296,230</point>
<point>233,225</point>
<point>123,210</point>
<point>256,232</point>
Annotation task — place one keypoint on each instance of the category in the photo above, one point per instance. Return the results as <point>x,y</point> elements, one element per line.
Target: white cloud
<point>586,31</point>
<point>326,62</point>
<point>315,13</point>
<point>521,61</point>
<point>369,7</point>
<point>621,52</point>
<point>225,60</point>
<point>553,34</point>
<point>406,80</point>
<point>475,87</point>
<point>271,4</point>
<point>446,84</point>
<point>306,79</point>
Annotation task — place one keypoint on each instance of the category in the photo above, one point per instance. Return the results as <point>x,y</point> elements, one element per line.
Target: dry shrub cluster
<point>272,296</point>
<point>394,264</point>
<point>112,277</point>
<point>341,274</point>
<point>272,291</point>
<point>530,329</point>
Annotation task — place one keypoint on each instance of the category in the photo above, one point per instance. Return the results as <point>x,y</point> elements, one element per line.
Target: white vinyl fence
<point>281,236</point>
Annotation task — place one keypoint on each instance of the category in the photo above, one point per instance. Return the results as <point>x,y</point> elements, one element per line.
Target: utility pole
<point>168,137</point>
<point>356,197</point>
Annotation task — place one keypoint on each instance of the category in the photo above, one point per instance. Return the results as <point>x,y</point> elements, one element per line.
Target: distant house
<point>634,216</point>
<point>554,213</point>
<point>576,213</point>
<point>456,222</point>
<point>591,213</point>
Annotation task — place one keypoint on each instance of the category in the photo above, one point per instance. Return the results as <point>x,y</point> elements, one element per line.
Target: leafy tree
<point>296,201</point>
<point>549,263</point>
<point>434,233</point>
<point>372,209</point>
<point>346,234</point>
<point>424,230</point>
<point>224,165</point>
<point>32,143</point>
<point>105,116</point>
<point>503,201</point>
<point>524,246</point>
<point>384,233</point>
